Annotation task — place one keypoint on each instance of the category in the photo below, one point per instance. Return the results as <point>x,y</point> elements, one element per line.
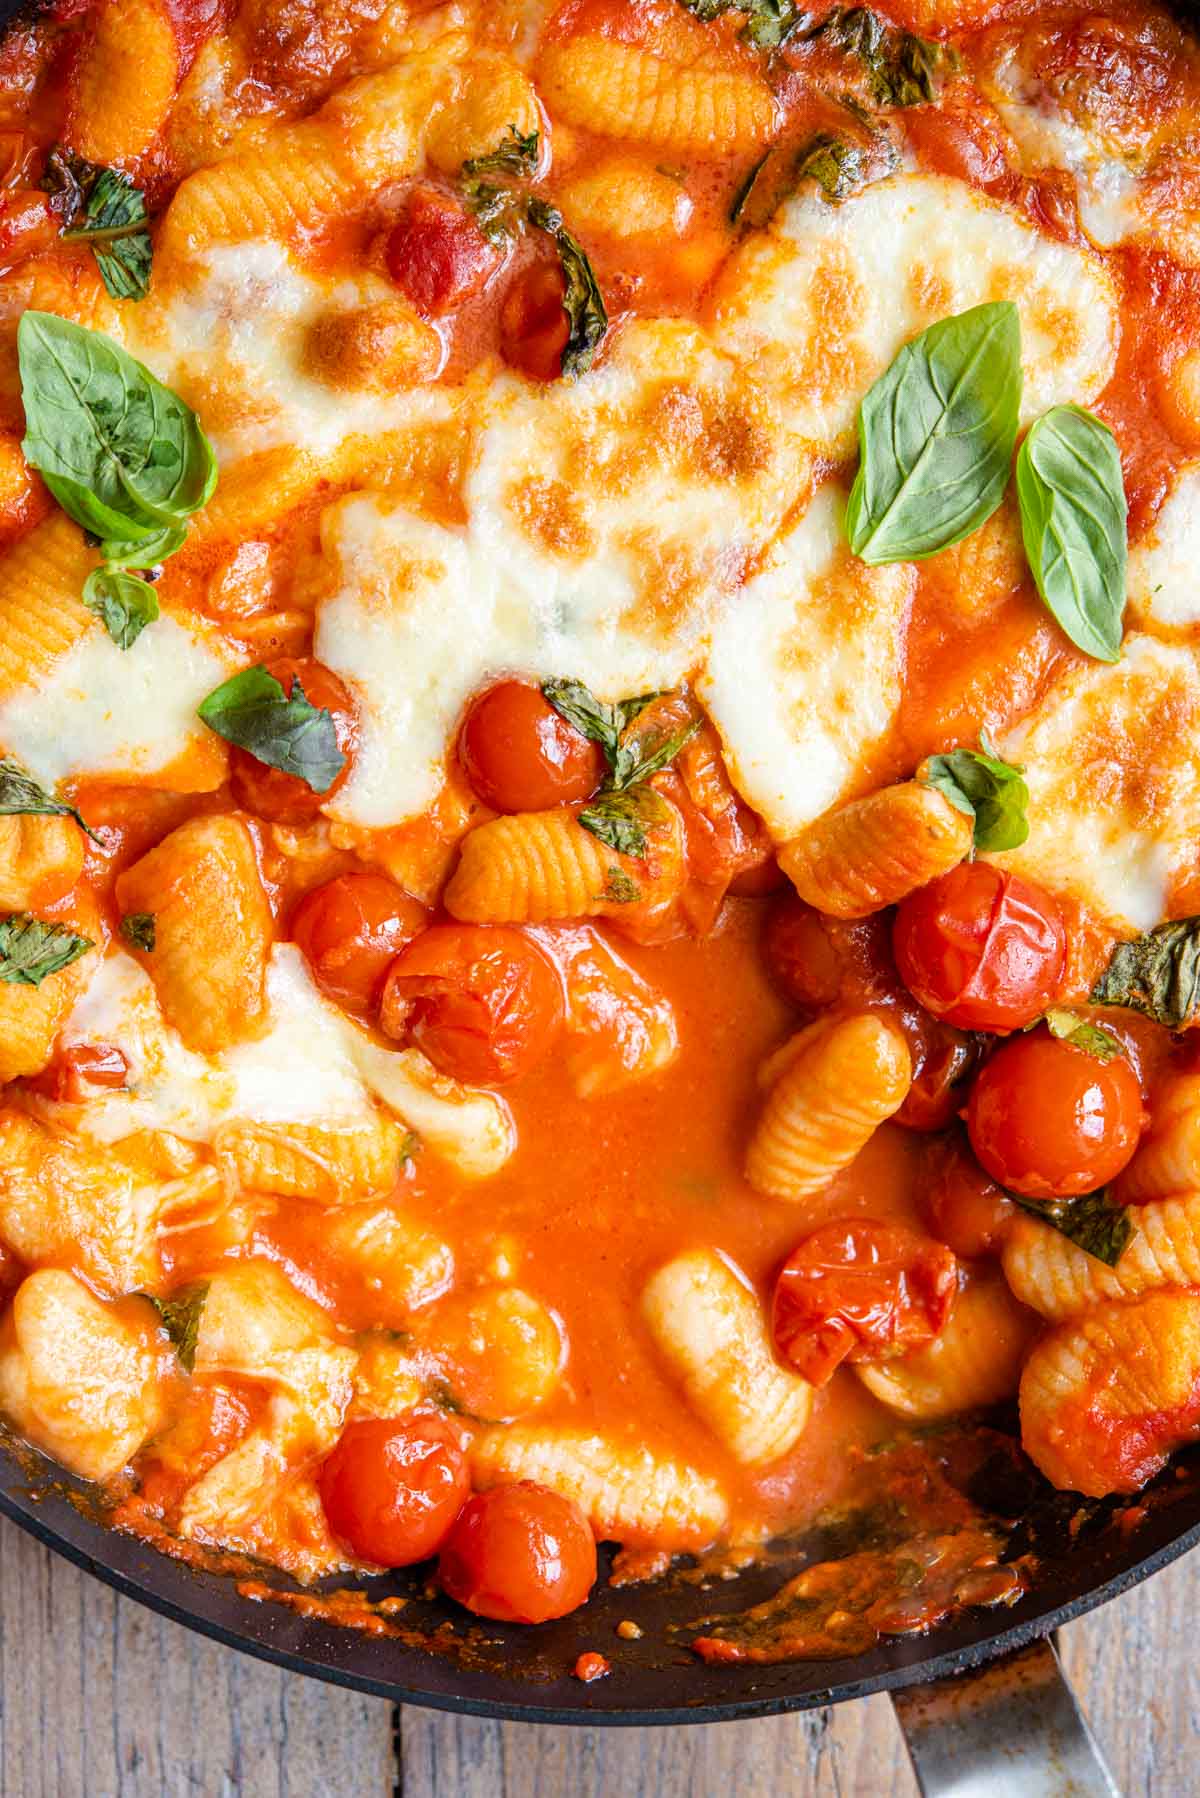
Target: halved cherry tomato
<point>351,930</point>
<point>520,755</point>
<point>860,1290</point>
<point>392,1489</point>
<point>520,1554</point>
<point>285,798</point>
<point>816,961</point>
<point>533,325</point>
<point>966,1208</point>
<point>980,948</point>
<point>481,1000</point>
<point>437,255</point>
<point>72,1077</point>
<point>1050,1120</point>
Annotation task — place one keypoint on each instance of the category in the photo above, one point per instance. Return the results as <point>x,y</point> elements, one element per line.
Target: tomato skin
<point>73,1075</point>
<point>966,1208</point>
<point>520,755</point>
<point>437,255</point>
<point>392,1489</point>
<point>351,930</point>
<point>981,949</point>
<point>860,1290</point>
<point>285,798</point>
<point>943,1059</point>
<point>533,326</point>
<point>816,960</point>
<point>481,1000</point>
<point>519,1554</point>
<point>1050,1121</point>
<point>28,225</point>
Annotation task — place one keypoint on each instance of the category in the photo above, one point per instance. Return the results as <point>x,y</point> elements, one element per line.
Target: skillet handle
<point>1008,1729</point>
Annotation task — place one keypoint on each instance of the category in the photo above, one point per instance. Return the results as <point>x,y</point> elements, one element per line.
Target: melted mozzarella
<point>1112,760</point>
<point>803,679</point>
<point>1164,567</point>
<point>104,710</point>
<point>821,302</point>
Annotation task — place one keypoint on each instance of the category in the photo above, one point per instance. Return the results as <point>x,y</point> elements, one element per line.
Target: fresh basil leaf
<point>144,552</point>
<point>140,930</point>
<point>936,435</point>
<point>985,788</point>
<point>1094,1222</point>
<point>516,154</point>
<point>282,730</point>
<point>583,302</point>
<point>120,452</point>
<point>1073,510</point>
<point>620,820</point>
<point>901,68</point>
<point>1069,1027</point>
<point>101,206</point>
<point>590,716</point>
<point>641,757</point>
<point>605,724</point>
<point>619,889</point>
<point>31,950</point>
<point>1157,974</point>
<point>124,603</point>
<point>21,795</point>
<point>180,1317</point>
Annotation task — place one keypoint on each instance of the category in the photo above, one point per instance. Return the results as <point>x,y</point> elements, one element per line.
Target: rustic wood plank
<point>100,1697</point>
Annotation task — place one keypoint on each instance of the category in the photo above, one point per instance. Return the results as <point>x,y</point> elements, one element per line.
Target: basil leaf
<point>120,452</point>
<point>642,757</point>
<point>619,889</point>
<point>144,552</point>
<point>1069,1027</point>
<point>21,795</point>
<point>180,1317</point>
<point>516,154</point>
<point>282,730</point>
<point>583,302</point>
<point>31,950</point>
<point>124,603</point>
<point>620,819</point>
<point>102,206</point>
<point>499,211</point>
<point>580,707</point>
<point>985,788</point>
<point>1094,1222</point>
<point>768,22</point>
<point>140,930</point>
<point>936,435</point>
<point>838,167</point>
<point>901,68</point>
<point>1072,498</point>
<point>1157,974</point>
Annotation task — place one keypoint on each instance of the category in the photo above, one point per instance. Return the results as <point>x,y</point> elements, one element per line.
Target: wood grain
<point>101,1699</point>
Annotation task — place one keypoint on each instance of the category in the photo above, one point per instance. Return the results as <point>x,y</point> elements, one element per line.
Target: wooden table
<point>101,1697</point>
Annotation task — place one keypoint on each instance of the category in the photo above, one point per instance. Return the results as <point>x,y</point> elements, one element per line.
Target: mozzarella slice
<point>1164,567</point>
<point>821,302</point>
<point>803,678</point>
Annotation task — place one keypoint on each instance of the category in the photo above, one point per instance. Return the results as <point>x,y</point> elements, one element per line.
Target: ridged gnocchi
<point>975,1359</point>
<point>875,851</point>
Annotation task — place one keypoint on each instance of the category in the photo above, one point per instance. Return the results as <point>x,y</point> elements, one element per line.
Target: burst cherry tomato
<point>392,1490</point>
<point>351,930</point>
<point>943,1058</point>
<point>521,755</point>
<point>481,1000</point>
<point>73,1075</point>
<point>980,948</point>
<point>437,255</point>
<point>860,1291</point>
<point>520,1554</point>
<point>1050,1120</point>
<point>533,326</point>
<point>816,961</point>
<point>966,1208</point>
<point>285,798</point>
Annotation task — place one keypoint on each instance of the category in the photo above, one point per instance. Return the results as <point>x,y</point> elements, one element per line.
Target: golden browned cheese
<point>618,90</point>
<point>975,1359</point>
<point>839,1080</point>
<point>212,930</point>
<point>40,860</point>
<point>534,866</point>
<point>1106,1398</point>
<point>41,617</point>
<point>331,1164</point>
<point>1168,1158</point>
<point>1059,1280</point>
<point>875,851</point>
<point>128,66</point>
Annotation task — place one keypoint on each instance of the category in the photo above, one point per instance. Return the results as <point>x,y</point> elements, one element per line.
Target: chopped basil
<point>125,603</point>
<point>936,435</point>
<point>595,720</point>
<point>977,782</point>
<point>619,889</point>
<point>1073,520</point>
<point>1069,1027</point>
<point>180,1318</point>
<point>620,819</point>
<point>21,795</point>
<point>1094,1222</point>
<point>838,167</point>
<point>902,69</point>
<point>625,804</point>
<point>283,730</point>
<point>31,950</point>
<point>1158,974</point>
<point>516,154</point>
<point>583,302</point>
<point>101,206</point>
<point>140,930</point>
<point>768,22</point>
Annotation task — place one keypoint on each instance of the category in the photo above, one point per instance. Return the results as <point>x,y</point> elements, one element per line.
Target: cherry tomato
<point>860,1290</point>
<point>817,961</point>
<point>481,1000</point>
<point>28,225</point>
<point>1050,1120</point>
<point>351,930</point>
<point>520,755</point>
<point>966,1208</point>
<point>980,948</point>
<point>943,1058</point>
<point>520,1554</point>
<point>437,255</point>
<point>285,798</point>
<point>73,1075</point>
<point>392,1489</point>
<point>533,325</point>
